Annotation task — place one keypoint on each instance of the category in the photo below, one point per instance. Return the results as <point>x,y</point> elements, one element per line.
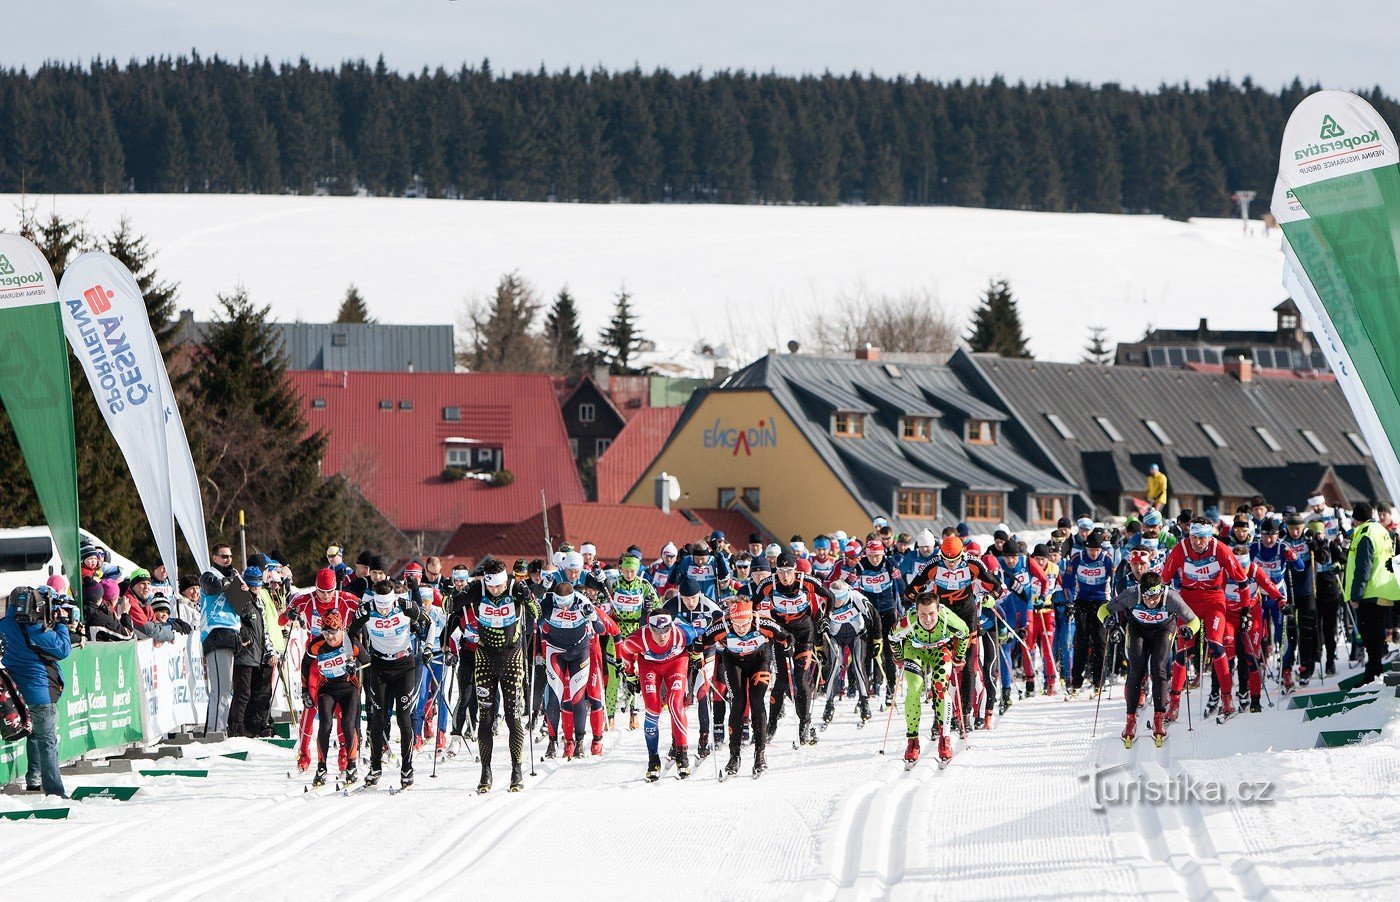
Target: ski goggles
<point>1155,591</point>
<point>790,571</point>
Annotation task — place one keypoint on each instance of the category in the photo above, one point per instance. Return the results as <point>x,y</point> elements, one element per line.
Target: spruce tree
<point>996,323</point>
<point>353,309</point>
<point>622,340</point>
<point>1097,351</point>
<point>502,336</point>
<point>562,338</point>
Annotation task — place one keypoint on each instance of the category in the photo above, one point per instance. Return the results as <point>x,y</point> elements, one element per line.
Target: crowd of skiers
<point>740,638</point>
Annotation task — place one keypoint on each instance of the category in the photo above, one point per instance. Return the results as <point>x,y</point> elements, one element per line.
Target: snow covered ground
<point>742,276</point>
<point>1010,818</point>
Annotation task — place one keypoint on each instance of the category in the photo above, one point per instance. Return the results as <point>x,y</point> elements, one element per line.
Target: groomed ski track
<point>1009,818</point>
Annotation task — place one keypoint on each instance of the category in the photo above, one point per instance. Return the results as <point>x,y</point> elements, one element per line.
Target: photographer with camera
<point>34,630</point>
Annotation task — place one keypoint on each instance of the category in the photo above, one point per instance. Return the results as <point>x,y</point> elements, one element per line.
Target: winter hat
<point>110,590</point>
<point>325,579</point>
<point>688,587</point>
<point>573,561</point>
<point>92,593</point>
<point>139,575</point>
<point>160,604</point>
<point>112,572</point>
<point>874,546</point>
<point>1084,523</point>
<point>925,539</point>
<point>1152,518</point>
<point>413,568</point>
<point>756,539</point>
<point>253,576</point>
<point>258,560</point>
<point>331,621</point>
<point>188,581</point>
<point>786,560</point>
<point>58,583</point>
<point>1316,501</point>
<point>963,531</point>
<point>668,548</point>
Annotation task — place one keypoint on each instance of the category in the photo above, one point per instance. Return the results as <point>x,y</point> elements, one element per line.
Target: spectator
<point>259,719</point>
<point>219,630</point>
<point>31,655</point>
<point>139,595</point>
<point>186,604</point>
<point>1370,586</point>
<point>160,581</point>
<point>107,616</point>
<point>250,658</point>
<point>1156,487</point>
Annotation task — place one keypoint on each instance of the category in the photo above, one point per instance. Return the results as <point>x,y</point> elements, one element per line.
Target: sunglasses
<point>223,557</point>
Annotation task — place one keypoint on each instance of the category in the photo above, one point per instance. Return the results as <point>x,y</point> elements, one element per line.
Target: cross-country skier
<point>308,608</point>
<point>798,604</point>
<point>933,640</point>
<point>850,627</point>
<point>1244,628</point>
<point>1150,612</point>
<point>336,661</point>
<point>629,597</point>
<point>659,654</point>
<point>745,642</point>
<point>1086,580</point>
<point>566,633</point>
<point>387,623</point>
<point>877,578</point>
<point>706,680</point>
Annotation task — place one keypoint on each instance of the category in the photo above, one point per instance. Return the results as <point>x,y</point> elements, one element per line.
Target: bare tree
<point>912,322</point>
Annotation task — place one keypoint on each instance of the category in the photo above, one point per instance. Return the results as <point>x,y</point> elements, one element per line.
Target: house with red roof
<point>632,452</point>
<point>435,451</point>
<point>612,528</point>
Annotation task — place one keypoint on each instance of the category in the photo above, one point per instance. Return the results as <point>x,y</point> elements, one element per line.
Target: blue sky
<point>1134,43</point>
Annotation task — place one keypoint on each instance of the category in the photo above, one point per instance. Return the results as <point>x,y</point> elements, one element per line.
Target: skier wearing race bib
<point>706,681</point>
<point>629,597</point>
<point>1086,579</point>
<point>851,625</point>
<point>877,578</point>
<point>309,608</point>
<point>331,664</point>
<point>387,624</point>
<point>659,654</point>
<point>1150,612</point>
<point>566,634</point>
<point>932,638</point>
<point>746,646</point>
<point>797,602</point>
<point>700,565</point>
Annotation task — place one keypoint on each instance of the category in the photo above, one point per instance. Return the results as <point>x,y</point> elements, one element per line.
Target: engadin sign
<point>734,439</point>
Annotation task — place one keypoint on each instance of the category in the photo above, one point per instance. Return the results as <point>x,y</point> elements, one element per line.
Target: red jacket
<point>1202,576</point>
<point>309,610</point>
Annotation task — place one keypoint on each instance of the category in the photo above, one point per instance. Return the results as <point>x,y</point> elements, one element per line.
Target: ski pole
<point>889,719</point>
<point>529,690</point>
<point>437,703</point>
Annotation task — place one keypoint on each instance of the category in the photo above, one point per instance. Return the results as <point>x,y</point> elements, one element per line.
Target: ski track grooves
<point>1243,877</point>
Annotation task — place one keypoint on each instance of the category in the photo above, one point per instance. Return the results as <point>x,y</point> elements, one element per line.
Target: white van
<point>28,557</point>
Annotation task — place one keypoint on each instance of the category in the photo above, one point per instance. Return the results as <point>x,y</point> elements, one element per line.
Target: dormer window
<point>981,432</point>
<point>847,424</point>
<point>1287,321</point>
<point>915,429</point>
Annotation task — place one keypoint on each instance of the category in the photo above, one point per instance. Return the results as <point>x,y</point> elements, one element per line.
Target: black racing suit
<point>392,676</point>
<point>747,660</point>
<point>797,608</point>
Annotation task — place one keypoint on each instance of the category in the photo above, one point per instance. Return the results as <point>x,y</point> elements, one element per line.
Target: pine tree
<point>622,340</point>
<point>562,338</point>
<point>353,309</point>
<point>502,339</point>
<point>996,323</point>
<point>1097,351</point>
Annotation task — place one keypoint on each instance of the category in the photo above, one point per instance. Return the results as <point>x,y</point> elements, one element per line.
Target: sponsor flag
<point>35,390</point>
<point>105,319</point>
<point>1338,201</point>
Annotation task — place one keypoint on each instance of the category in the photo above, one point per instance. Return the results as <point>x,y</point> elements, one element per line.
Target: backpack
<point>14,713</point>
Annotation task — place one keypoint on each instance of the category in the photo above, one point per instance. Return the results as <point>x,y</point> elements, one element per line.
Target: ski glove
<point>307,701</point>
<point>180,626</point>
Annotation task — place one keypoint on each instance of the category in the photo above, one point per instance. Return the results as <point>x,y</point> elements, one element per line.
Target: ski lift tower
<point>1243,198</point>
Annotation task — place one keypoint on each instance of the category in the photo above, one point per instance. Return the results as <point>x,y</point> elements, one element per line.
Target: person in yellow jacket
<point>1156,487</point>
<point>1369,586</point>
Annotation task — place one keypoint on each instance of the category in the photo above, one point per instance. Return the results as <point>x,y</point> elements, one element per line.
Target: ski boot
<point>406,776</point>
<point>1174,707</point>
<point>596,747</point>
<point>517,779</point>
<point>682,763</point>
<point>987,719</point>
<point>772,725</point>
<point>1005,699</point>
<point>719,736</point>
<point>632,722</point>
<point>702,749</point>
<point>568,749</point>
<point>889,696</point>
<point>1330,669</point>
<point>1049,686</point>
<point>551,750</point>
<point>1159,728</point>
<point>945,750</point>
<point>732,767</point>
<point>653,768</point>
<point>1130,731</point>
<point>760,762</point>
<point>829,713</point>
<point>418,742</point>
<point>1287,680</point>
<point>319,779</point>
<point>1227,710</point>
<point>441,741</point>
<point>863,708</point>
<point>482,787</point>
<point>979,723</point>
<point>1030,688</point>
<point>807,734</point>
<point>372,775</point>
<point>351,776</point>
<point>1213,703</point>
<point>610,723</point>
<point>911,753</point>
<point>1254,707</point>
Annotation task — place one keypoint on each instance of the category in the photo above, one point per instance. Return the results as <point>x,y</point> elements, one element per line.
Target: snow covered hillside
<point>1010,818</point>
<point>734,275</point>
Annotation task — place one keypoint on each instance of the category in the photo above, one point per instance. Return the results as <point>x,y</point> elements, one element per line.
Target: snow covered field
<point>737,275</point>
<point>1010,818</point>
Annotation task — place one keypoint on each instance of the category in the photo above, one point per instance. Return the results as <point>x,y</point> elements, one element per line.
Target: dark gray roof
<point>357,347</point>
<point>1179,402</point>
<point>809,388</point>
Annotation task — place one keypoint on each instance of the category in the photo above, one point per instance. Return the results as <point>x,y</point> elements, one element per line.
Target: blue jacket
<point>216,613</point>
<point>24,665</point>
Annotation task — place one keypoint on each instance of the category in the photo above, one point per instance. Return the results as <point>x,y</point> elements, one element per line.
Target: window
<point>386,405</point>
<point>318,403</point>
<point>1109,429</point>
<point>1287,321</point>
<point>848,425</point>
<point>981,506</point>
<point>1155,428</point>
<point>573,448</point>
<point>1060,426</point>
<point>339,340</point>
<point>915,429</point>
<point>405,405</point>
<point>587,413</point>
<point>1267,438</point>
<point>1212,355</point>
<point>727,497</point>
<point>918,504</point>
<point>459,457</point>
<point>488,458</point>
<point>751,497</point>
<point>1313,440</point>
<point>602,445</point>
<point>1176,357</point>
<point>1050,508</point>
<point>1357,441</point>
<point>1157,356</point>
<point>893,371</point>
<point>981,432</point>
<point>452,414</point>
<point>1214,435</point>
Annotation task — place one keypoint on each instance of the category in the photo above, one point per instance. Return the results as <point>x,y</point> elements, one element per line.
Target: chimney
<point>1202,330</point>
<point>1242,368</point>
<point>869,352</point>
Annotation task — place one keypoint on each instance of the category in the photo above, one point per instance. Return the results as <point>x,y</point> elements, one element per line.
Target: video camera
<point>40,606</point>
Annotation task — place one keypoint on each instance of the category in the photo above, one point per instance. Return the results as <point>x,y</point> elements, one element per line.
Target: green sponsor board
<point>100,707</point>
